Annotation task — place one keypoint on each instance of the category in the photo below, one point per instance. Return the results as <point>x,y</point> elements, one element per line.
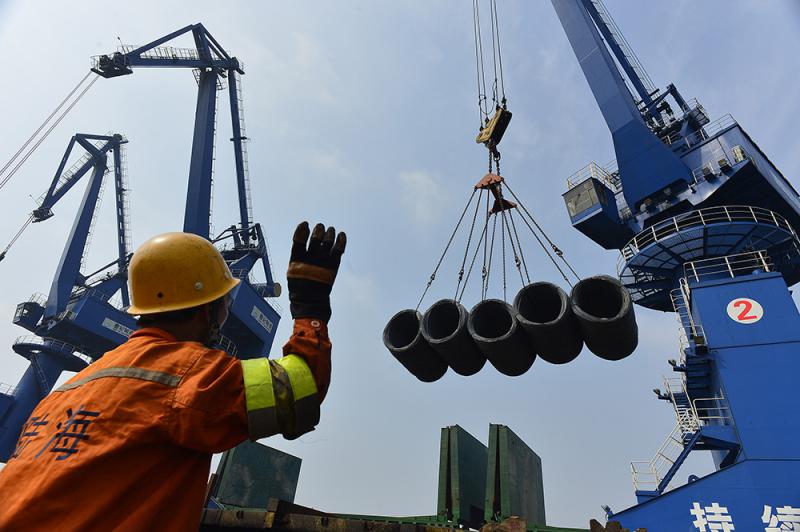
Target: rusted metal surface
<point>611,526</point>
<point>493,183</point>
<point>282,516</point>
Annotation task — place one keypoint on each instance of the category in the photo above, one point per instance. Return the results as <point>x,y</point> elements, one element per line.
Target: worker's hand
<point>312,270</point>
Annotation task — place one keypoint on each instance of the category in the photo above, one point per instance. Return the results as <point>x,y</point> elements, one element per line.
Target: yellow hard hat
<point>176,271</point>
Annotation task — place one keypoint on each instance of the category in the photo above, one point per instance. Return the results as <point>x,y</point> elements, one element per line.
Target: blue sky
<point>362,115</point>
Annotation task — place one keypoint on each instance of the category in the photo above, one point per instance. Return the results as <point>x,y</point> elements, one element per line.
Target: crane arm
<point>646,166</point>
<point>207,54</point>
<point>97,147</point>
<point>63,180</point>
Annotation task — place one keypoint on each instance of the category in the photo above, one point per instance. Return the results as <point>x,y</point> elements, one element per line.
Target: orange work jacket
<point>126,444</point>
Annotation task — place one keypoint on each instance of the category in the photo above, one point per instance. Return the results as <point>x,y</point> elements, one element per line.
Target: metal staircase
<point>692,416</point>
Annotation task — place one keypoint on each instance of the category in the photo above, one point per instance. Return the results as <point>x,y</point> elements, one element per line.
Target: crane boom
<point>211,64</point>
<point>646,165</point>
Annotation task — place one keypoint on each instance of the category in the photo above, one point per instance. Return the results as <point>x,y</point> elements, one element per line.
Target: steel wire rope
<point>476,30</point>
<point>554,247</point>
<point>16,236</point>
<point>472,263</point>
<point>469,241</point>
<point>43,124</point>
<point>546,251</point>
<point>496,35</point>
<point>502,245</point>
<point>46,133</point>
<point>485,273</point>
<point>495,100</point>
<point>517,261</point>
<point>489,266</point>
<point>519,245</point>
<point>447,247</point>
<point>507,228</point>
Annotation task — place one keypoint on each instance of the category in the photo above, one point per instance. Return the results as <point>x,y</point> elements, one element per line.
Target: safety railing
<point>38,298</point>
<point>627,51</point>
<point>56,345</point>
<point>685,415</point>
<point>647,475</point>
<point>670,138</point>
<point>690,416</point>
<point>255,283</point>
<point>115,299</point>
<point>162,52</point>
<point>728,266</point>
<point>712,410</point>
<point>592,170</point>
<point>700,218</point>
<point>709,130</point>
<point>689,331</point>
<point>718,165</point>
<point>221,82</point>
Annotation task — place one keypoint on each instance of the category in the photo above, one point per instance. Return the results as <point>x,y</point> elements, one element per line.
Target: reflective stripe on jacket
<point>126,444</point>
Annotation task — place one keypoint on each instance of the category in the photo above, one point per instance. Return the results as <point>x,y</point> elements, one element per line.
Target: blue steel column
<point>70,265</point>
<point>197,218</point>
<point>646,165</point>
<point>28,393</point>
<point>237,139</point>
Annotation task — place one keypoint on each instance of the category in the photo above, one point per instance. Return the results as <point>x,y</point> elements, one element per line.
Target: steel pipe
<point>544,312</point>
<point>444,327</point>
<point>493,325</point>
<point>403,338</point>
<point>605,314</point>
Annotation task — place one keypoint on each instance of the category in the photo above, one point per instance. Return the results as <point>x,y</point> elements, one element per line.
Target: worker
<point>126,443</point>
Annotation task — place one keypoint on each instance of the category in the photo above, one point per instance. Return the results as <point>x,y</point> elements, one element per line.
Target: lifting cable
<point>469,241</point>
<point>446,248</point>
<point>497,58</point>
<point>47,132</point>
<point>483,111</point>
<point>472,263</point>
<point>491,131</point>
<point>16,236</point>
<point>554,247</point>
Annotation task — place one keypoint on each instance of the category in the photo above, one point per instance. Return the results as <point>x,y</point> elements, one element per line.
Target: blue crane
<point>78,320</point>
<point>81,318</point>
<point>706,228</point>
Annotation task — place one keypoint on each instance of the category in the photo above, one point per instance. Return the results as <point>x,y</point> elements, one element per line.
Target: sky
<point>362,115</point>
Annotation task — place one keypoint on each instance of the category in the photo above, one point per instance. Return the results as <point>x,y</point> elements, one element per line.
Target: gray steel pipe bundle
<point>543,321</point>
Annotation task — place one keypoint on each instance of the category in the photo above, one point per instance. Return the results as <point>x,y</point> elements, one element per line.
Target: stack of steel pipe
<point>543,322</point>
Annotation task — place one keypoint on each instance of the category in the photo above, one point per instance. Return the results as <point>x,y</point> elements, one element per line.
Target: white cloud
<point>421,196</point>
